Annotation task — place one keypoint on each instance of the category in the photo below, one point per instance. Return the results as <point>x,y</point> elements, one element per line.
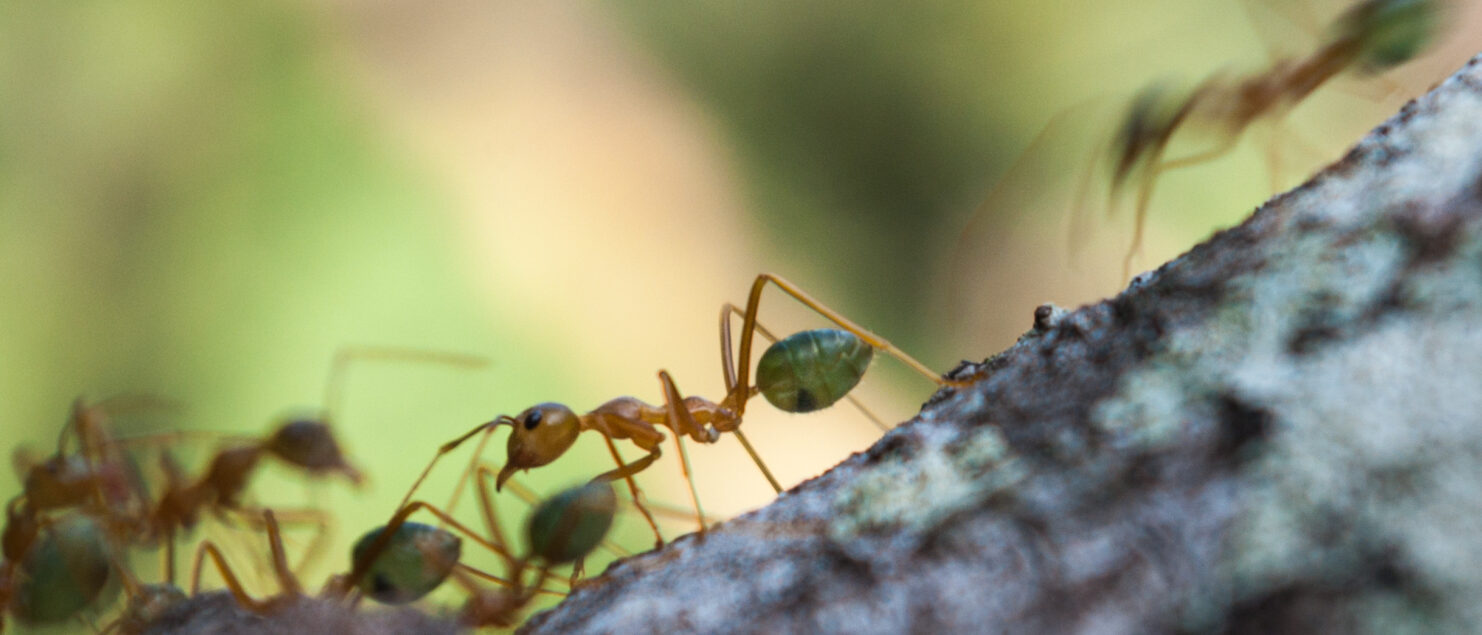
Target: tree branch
<point>1280,430</point>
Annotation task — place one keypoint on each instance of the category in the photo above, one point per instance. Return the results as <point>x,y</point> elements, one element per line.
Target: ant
<point>403,561</point>
<point>55,568</point>
<point>304,443</point>
<point>801,373</point>
<point>1373,36</point>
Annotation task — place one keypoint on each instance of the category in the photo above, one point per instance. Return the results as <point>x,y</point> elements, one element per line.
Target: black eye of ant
<point>532,420</point>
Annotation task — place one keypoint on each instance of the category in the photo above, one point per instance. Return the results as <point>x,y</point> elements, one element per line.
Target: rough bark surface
<point>1280,431</point>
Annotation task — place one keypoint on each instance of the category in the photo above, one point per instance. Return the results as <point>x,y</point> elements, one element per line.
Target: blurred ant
<point>801,373</point>
<point>54,568</point>
<point>395,564</point>
<point>1373,36</point>
<point>304,443</point>
<point>61,531</point>
<point>403,561</point>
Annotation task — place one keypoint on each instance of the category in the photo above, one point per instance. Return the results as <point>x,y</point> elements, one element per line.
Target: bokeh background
<point>205,201</point>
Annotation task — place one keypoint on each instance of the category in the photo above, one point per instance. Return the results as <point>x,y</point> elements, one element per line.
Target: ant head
<point>1150,119</point>
<point>310,444</point>
<point>568,526</point>
<point>415,561</point>
<point>541,434</point>
<point>1390,32</point>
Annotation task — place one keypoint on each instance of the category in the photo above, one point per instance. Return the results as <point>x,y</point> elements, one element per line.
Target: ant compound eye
<point>532,420</point>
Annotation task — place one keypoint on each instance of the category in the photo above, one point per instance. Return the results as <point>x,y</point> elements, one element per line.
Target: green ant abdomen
<point>417,560</point>
<point>811,370</point>
<point>64,572</point>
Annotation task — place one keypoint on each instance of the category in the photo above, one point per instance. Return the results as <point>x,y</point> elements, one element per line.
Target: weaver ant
<point>403,561</point>
<point>55,567</point>
<point>305,443</point>
<point>1373,36</point>
<point>393,564</point>
<point>801,373</point>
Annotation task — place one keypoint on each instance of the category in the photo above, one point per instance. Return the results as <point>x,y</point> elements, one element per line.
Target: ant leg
<point>1156,167</point>
<point>339,367</point>
<point>491,521</point>
<point>757,459</point>
<point>169,554</point>
<point>486,428</point>
<point>726,311</point>
<point>460,570</point>
<point>208,548</point>
<point>318,520</point>
<point>1144,196</point>
<point>286,580</point>
<point>684,466</point>
<point>1224,148</point>
<point>578,568</point>
<point>473,462</point>
<point>683,423</point>
<point>485,472</point>
<point>633,485</point>
<point>749,326</point>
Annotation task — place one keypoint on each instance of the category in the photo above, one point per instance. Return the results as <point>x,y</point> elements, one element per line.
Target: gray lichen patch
<point>954,471</point>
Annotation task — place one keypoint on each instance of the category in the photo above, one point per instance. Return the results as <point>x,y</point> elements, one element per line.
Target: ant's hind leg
<point>334,385</point>
<point>626,471</point>
<point>682,423</point>
<point>286,580</point>
<point>208,549</point>
<point>318,520</point>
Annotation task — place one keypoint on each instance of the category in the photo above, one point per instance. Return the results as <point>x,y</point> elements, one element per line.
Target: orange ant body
<point>802,373</point>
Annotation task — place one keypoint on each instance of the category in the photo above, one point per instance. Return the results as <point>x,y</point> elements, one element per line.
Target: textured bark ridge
<point>1280,431</point>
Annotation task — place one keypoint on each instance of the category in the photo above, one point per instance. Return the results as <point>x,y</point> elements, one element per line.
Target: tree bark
<point>1279,431</point>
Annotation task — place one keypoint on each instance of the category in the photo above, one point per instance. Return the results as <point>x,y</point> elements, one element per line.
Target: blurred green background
<point>205,202</point>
